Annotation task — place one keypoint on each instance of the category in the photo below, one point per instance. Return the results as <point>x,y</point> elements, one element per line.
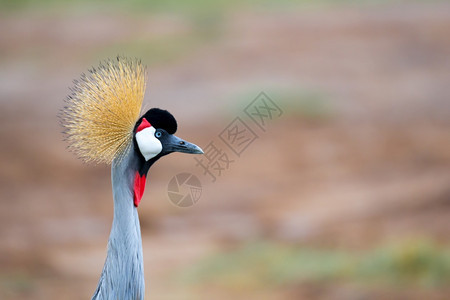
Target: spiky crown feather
<point>103,108</point>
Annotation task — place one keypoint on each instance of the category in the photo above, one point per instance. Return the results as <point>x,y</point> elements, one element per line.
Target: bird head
<point>101,120</point>
<point>154,136</point>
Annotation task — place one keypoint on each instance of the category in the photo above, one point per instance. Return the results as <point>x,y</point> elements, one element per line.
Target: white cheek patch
<point>148,144</point>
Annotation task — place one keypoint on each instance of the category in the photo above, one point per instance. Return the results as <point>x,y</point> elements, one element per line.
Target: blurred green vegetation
<point>155,51</point>
<point>188,6</point>
<point>16,284</point>
<point>306,105</point>
<point>302,104</point>
<point>166,49</point>
<point>200,29</point>
<point>415,262</point>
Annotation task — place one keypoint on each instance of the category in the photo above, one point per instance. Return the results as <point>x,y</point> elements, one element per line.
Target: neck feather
<point>123,272</point>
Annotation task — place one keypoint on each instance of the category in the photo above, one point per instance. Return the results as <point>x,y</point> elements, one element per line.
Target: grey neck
<point>123,272</point>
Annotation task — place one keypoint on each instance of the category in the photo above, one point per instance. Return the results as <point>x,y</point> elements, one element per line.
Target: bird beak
<point>175,144</point>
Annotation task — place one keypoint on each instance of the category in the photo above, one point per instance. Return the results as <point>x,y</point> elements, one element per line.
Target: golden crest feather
<point>103,108</point>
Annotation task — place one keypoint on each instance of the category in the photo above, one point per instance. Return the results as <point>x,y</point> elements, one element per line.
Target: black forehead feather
<point>160,118</point>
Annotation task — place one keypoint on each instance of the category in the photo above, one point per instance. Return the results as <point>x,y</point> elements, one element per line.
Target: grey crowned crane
<point>102,124</point>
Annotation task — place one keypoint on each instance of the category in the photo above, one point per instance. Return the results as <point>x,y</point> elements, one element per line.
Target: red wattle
<point>144,124</point>
<point>139,186</point>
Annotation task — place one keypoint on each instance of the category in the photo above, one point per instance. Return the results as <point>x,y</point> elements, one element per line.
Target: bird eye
<point>158,134</point>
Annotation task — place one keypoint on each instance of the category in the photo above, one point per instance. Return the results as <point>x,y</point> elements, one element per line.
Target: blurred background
<point>346,195</point>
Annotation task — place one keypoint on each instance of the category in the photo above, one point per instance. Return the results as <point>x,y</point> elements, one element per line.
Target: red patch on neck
<point>144,124</point>
<point>139,186</point>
